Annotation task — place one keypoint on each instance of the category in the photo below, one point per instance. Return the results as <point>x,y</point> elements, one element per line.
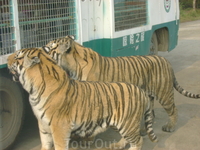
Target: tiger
<point>152,73</point>
<point>64,106</point>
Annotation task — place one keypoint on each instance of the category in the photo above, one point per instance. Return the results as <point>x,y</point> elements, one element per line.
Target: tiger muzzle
<point>15,74</point>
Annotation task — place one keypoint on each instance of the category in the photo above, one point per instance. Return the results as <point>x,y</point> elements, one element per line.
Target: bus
<point>110,27</point>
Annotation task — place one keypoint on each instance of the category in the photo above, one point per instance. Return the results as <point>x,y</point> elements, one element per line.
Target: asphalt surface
<point>185,59</point>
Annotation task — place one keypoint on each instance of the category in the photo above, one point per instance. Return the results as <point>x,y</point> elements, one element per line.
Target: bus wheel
<point>154,45</point>
<point>11,111</point>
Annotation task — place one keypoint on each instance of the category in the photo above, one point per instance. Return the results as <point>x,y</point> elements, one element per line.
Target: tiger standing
<point>64,106</point>
<point>152,73</point>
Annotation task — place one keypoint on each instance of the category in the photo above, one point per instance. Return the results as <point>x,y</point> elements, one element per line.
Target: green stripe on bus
<point>3,66</point>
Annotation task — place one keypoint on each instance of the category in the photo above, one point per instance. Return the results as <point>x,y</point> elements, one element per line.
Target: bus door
<point>93,24</point>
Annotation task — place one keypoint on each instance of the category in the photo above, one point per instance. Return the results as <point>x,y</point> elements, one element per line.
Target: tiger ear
<point>46,49</point>
<point>70,36</point>
<point>28,62</point>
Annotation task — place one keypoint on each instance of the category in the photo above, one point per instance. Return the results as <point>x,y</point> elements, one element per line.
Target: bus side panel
<point>122,46</point>
<point>102,46</point>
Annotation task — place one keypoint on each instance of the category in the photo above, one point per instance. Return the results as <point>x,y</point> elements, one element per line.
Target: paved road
<point>185,60</point>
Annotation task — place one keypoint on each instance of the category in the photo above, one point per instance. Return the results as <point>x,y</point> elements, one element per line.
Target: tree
<point>194,5</point>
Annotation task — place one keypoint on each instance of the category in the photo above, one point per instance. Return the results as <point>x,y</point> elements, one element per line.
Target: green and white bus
<point>129,27</point>
<point>110,27</point>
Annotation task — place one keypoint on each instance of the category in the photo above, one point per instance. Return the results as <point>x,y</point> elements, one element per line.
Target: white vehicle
<point>110,27</point>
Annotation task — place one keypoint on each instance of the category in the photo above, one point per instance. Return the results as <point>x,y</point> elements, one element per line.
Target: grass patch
<point>189,14</point>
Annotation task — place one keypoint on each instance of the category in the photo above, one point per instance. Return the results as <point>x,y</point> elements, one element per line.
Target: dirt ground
<point>185,59</point>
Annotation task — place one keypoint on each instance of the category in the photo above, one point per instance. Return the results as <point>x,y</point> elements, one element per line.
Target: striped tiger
<point>64,106</point>
<point>152,73</point>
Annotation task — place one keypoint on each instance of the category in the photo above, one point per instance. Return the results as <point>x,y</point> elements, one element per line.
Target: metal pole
<point>15,24</point>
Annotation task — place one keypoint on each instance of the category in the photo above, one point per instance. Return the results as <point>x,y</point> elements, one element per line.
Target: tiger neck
<point>41,82</point>
<point>84,60</point>
<point>95,71</point>
<point>89,64</point>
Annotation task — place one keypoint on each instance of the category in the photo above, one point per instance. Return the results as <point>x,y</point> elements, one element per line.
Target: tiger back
<point>64,106</point>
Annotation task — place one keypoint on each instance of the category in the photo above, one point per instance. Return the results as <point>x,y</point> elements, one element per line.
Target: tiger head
<point>19,61</point>
<point>25,59</point>
<point>59,46</point>
<point>70,55</point>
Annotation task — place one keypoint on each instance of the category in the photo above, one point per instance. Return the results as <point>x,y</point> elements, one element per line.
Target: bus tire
<point>154,45</point>
<point>11,111</point>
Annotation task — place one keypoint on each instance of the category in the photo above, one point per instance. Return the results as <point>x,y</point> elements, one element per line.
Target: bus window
<point>129,14</point>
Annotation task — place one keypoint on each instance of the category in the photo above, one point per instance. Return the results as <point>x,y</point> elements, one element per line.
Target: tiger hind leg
<point>143,130</point>
<point>136,145</point>
<point>172,112</point>
<point>129,136</point>
<point>123,142</point>
<point>132,136</point>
